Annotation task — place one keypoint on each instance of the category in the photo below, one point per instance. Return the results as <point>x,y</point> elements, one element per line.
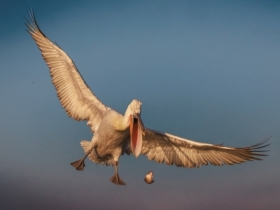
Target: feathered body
<point>109,140</point>
<point>116,134</point>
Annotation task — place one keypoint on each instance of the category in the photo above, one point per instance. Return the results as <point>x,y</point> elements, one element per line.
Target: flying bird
<point>116,134</point>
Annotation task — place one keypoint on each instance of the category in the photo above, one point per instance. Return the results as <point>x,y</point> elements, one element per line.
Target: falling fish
<point>117,134</point>
<point>149,178</point>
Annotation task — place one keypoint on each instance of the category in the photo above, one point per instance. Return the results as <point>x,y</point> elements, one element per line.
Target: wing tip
<point>31,23</point>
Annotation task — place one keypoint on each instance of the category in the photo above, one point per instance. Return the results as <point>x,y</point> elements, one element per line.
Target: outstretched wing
<point>74,94</point>
<point>164,147</point>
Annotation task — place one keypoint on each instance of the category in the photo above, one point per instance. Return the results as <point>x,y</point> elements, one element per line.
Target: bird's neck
<point>121,122</point>
<point>127,116</point>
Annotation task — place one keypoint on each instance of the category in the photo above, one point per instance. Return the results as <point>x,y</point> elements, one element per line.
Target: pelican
<point>116,134</point>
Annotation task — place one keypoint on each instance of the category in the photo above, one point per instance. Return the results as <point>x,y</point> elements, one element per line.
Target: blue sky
<point>204,70</point>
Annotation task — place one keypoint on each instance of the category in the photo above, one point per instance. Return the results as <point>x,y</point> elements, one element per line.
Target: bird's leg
<point>80,164</point>
<point>102,158</point>
<point>115,178</point>
<point>95,149</point>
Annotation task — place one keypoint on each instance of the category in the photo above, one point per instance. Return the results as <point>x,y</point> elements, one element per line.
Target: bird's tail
<point>86,145</point>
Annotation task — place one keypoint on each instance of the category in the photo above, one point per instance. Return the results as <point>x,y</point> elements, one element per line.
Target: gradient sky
<point>204,70</point>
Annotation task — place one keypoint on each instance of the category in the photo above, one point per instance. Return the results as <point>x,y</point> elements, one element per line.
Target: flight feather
<point>170,149</point>
<point>74,94</point>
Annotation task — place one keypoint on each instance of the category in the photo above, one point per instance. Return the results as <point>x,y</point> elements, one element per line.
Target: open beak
<point>137,129</point>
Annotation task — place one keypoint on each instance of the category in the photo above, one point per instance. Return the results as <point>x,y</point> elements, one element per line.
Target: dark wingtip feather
<point>258,145</point>
<point>31,22</point>
<point>255,149</point>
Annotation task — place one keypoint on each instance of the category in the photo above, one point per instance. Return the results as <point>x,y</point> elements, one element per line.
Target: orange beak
<point>136,131</point>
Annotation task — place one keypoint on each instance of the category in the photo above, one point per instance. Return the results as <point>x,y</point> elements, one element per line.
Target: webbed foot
<point>117,180</point>
<point>79,164</point>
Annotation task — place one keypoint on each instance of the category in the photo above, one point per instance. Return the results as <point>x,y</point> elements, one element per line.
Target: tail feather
<point>86,145</point>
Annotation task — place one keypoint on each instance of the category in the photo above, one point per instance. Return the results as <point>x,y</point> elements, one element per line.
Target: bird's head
<point>136,126</point>
<point>135,106</point>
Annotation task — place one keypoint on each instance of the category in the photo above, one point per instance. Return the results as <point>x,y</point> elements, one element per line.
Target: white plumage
<point>116,134</point>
